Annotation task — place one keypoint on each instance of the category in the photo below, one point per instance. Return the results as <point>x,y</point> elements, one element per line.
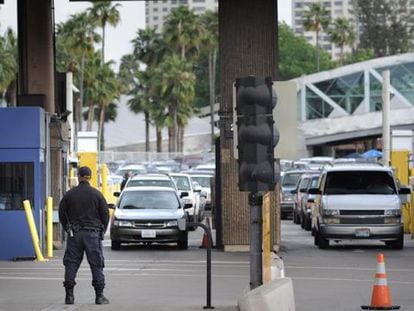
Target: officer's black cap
<point>84,171</point>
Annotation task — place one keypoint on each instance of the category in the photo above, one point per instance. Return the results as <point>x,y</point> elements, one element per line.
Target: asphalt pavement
<point>158,277</point>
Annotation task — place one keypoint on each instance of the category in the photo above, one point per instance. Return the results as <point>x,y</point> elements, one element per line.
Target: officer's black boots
<point>100,298</point>
<point>69,299</point>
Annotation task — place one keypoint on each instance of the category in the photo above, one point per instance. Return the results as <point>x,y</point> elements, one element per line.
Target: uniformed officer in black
<point>84,214</point>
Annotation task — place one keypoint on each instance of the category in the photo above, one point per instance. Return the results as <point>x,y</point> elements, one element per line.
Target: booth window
<point>16,184</point>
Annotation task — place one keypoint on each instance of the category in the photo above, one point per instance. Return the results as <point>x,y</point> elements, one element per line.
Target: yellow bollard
<point>49,227</point>
<point>104,180</point>
<point>267,257</point>
<point>33,230</point>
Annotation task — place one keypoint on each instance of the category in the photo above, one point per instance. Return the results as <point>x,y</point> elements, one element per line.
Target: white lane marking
<point>124,275</point>
<point>347,280</point>
<point>347,268</point>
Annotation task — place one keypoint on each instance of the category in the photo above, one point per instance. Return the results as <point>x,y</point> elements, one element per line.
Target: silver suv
<point>358,201</point>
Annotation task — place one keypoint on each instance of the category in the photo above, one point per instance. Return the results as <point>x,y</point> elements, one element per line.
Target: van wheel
<point>294,216</point>
<point>302,220</point>
<point>322,242</point>
<point>115,245</point>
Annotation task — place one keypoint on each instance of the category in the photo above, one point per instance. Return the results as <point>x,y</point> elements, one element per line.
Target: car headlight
<point>331,212</point>
<point>123,223</point>
<point>287,196</point>
<point>331,221</point>
<point>392,220</point>
<point>392,212</point>
<point>171,223</point>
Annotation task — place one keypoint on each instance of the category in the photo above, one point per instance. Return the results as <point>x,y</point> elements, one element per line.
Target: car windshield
<point>290,180</point>
<point>202,181</point>
<point>182,182</point>
<point>360,182</point>
<point>149,182</point>
<point>314,182</point>
<point>149,200</point>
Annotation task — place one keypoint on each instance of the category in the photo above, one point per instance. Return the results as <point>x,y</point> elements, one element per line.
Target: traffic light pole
<point>256,272</point>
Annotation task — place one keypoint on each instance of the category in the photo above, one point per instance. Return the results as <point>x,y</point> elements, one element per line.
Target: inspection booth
<point>22,177</point>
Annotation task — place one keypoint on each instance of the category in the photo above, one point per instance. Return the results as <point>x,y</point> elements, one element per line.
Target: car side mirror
<point>188,205</point>
<point>111,206</point>
<point>311,200</point>
<point>404,190</point>
<point>184,194</point>
<point>314,191</point>
<point>294,191</point>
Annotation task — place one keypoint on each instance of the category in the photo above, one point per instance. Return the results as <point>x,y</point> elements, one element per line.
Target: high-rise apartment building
<point>336,8</point>
<point>156,11</point>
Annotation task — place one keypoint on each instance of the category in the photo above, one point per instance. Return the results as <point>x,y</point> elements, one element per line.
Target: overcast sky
<point>117,39</point>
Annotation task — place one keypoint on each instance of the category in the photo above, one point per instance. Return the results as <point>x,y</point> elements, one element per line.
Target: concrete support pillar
<point>36,60</point>
<point>248,46</point>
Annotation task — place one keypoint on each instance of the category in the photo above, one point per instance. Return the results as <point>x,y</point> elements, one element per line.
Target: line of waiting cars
<point>150,206</point>
<point>348,200</point>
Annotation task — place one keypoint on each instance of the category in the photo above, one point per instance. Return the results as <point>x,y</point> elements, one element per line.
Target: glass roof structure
<point>356,89</point>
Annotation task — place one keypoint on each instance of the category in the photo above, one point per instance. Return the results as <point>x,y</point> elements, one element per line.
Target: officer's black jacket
<point>84,206</point>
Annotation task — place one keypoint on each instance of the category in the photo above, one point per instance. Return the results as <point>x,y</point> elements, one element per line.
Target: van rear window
<point>360,182</point>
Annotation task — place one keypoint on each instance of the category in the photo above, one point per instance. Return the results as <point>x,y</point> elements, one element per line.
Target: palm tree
<point>8,65</point>
<point>182,32</point>
<point>342,33</point>
<point>80,36</point>
<point>107,91</point>
<point>92,68</point>
<point>209,21</point>
<point>177,87</point>
<point>104,13</point>
<point>148,49</point>
<point>316,19</point>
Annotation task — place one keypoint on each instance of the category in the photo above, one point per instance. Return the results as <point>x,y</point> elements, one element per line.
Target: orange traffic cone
<point>381,298</point>
<point>204,242</point>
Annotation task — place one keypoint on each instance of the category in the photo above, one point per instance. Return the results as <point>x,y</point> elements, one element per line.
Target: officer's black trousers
<point>88,242</point>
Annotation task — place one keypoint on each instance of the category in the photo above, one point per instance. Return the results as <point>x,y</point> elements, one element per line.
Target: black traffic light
<point>257,135</point>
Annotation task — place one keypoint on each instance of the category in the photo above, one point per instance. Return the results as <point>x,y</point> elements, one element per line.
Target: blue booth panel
<point>22,177</point>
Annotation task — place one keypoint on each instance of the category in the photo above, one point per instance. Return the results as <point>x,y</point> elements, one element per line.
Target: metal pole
<point>209,243</point>
<point>256,274</point>
<point>386,141</point>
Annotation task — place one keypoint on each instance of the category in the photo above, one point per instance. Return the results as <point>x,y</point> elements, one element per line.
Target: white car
<point>204,180</point>
<point>196,197</point>
<point>151,180</point>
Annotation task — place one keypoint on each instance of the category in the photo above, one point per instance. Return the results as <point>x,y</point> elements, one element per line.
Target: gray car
<point>148,215</point>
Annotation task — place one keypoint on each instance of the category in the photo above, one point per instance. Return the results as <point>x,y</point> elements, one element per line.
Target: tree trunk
<point>147,124</point>
<point>159,139</point>
<point>170,139</point>
<point>80,103</point>
<point>91,111</point>
<point>101,125</point>
<point>103,43</point>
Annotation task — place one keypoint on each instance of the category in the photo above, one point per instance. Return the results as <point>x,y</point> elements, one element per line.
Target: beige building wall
<point>285,116</point>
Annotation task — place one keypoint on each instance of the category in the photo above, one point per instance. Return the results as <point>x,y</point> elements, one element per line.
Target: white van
<point>358,201</point>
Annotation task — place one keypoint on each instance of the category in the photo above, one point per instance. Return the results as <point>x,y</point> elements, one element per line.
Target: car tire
<point>322,242</point>
<point>294,216</point>
<point>183,242</point>
<point>115,245</point>
<point>302,220</point>
<point>308,223</point>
